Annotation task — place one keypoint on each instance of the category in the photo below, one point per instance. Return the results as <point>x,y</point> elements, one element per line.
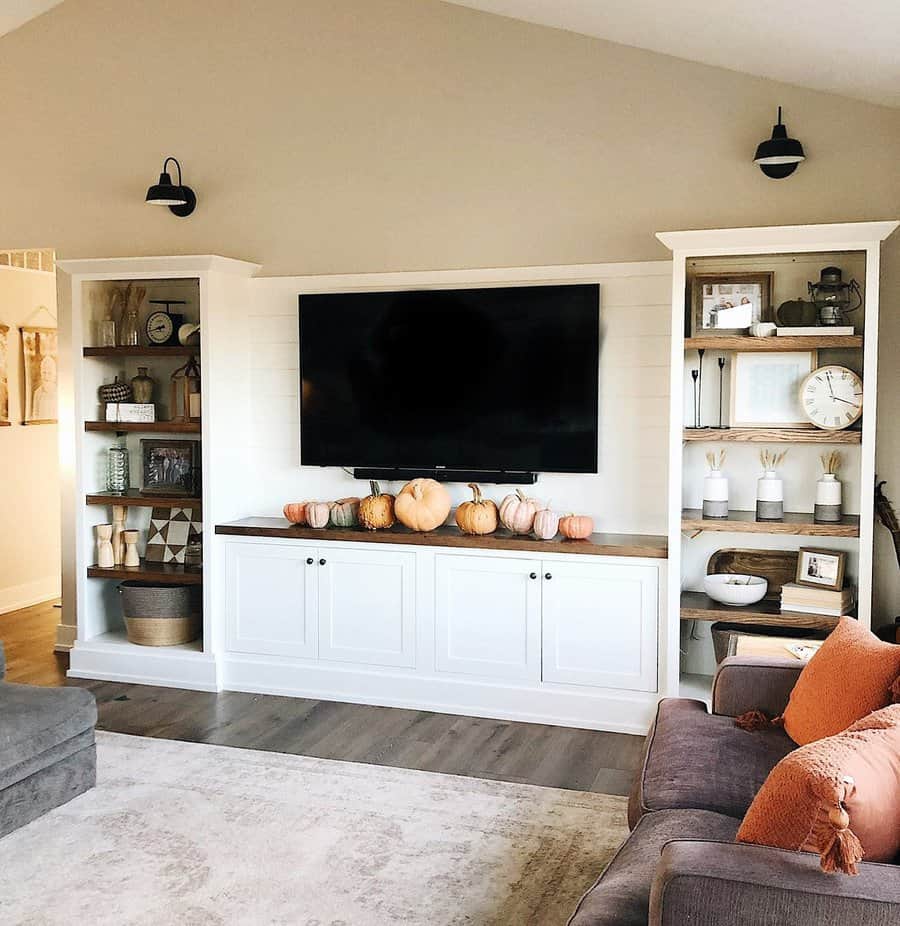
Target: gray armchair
<point>681,865</point>
<point>47,753</point>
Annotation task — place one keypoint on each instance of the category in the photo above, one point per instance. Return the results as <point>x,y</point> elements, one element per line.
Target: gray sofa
<point>47,753</point>
<point>681,866</point>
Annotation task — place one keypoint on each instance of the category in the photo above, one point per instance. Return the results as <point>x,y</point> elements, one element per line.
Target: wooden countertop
<point>640,545</point>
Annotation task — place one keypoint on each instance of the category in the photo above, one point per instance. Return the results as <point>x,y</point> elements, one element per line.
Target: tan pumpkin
<point>376,511</point>
<point>318,514</point>
<point>517,512</point>
<point>345,512</point>
<point>576,526</point>
<point>422,505</point>
<point>546,524</point>
<point>295,512</point>
<point>478,516</point>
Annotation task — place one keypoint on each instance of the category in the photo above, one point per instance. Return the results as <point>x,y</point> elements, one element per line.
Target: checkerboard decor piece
<point>171,530</point>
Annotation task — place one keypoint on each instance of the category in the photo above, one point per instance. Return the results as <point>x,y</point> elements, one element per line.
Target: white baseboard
<point>16,597</point>
<point>557,705</point>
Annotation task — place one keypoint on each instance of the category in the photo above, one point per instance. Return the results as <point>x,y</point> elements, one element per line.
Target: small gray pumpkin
<point>114,391</point>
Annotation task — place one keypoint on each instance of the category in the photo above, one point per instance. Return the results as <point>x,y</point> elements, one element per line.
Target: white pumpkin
<point>546,524</point>
<point>517,513</point>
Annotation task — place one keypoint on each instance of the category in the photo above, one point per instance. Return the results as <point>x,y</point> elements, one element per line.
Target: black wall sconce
<point>779,156</point>
<point>179,198</point>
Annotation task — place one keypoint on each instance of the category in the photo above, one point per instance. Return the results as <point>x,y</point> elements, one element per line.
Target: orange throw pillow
<point>850,676</point>
<point>838,797</point>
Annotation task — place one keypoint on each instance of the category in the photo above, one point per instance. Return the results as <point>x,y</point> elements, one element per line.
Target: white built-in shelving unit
<point>211,287</point>
<point>795,254</point>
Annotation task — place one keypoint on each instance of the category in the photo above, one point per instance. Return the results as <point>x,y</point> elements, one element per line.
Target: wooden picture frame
<point>732,290</point>
<point>170,467</point>
<point>820,568</point>
<point>765,388</point>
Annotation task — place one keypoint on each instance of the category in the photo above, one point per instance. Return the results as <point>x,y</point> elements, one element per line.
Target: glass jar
<point>118,479</point>
<point>130,332</point>
<point>142,387</point>
<point>107,331</point>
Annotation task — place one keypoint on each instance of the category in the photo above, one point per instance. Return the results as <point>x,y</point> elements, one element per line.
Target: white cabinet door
<point>488,616</point>
<point>600,624</point>
<point>367,606</point>
<point>270,599</point>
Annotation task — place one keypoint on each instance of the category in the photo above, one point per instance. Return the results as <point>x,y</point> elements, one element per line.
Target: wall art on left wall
<point>39,363</point>
<point>4,375</point>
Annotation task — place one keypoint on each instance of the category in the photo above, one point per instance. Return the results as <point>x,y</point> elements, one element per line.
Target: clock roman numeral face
<point>832,397</point>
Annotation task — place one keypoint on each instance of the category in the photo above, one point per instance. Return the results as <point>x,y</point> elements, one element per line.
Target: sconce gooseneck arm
<point>166,164</point>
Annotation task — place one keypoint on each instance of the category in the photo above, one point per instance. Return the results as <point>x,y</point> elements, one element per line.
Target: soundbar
<point>446,475</point>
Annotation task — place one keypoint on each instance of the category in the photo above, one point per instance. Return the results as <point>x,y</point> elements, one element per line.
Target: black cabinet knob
<point>321,562</point>
<point>533,575</point>
<point>548,575</point>
<point>309,561</point>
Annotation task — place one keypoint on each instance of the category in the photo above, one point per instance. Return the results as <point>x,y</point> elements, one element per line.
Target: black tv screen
<point>499,379</point>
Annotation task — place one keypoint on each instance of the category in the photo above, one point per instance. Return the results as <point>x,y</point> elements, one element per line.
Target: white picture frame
<point>765,388</point>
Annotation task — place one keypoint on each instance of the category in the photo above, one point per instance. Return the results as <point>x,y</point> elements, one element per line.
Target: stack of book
<point>810,600</point>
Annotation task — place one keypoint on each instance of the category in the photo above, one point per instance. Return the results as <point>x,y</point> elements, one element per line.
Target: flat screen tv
<point>493,381</point>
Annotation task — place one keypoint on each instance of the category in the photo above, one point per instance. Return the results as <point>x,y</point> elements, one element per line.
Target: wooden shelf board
<point>5,424</point>
<point>150,427</point>
<point>698,606</point>
<point>142,351</point>
<point>164,573</point>
<point>772,435</point>
<point>794,522</point>
<point>134,499</point>
<point>786,343</point>
<point>642,545</point>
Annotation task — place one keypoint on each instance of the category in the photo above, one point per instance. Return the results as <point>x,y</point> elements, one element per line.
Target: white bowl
<point>735,589</point>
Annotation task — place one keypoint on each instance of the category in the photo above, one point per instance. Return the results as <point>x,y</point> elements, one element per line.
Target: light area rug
<point>185,833</point>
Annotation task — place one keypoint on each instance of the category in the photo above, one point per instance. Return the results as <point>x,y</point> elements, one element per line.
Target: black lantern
<point>832,296</point>
<point>779,156</point>
<point>180,199</point>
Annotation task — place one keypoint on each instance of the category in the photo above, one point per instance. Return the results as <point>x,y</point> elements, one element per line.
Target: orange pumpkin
<point>478,516</point>
<point>318,513</point>
<point>422,505</point>
<point>576,526</point>
<point>295,512</point>
<point>376,511</point>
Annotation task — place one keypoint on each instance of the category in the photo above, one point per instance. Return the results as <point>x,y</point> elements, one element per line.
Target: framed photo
<point>39,369</point>
<point>170,467</point>
<point>765,388</point>
<point>4,374</point>
<point>821,568</point>
<point>727,304</point>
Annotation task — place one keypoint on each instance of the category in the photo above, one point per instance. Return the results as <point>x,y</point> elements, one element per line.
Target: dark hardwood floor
<point>559,757</point>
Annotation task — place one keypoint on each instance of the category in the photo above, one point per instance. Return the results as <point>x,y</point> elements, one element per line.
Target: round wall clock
<point>832,397</point>
<point>160,328</point>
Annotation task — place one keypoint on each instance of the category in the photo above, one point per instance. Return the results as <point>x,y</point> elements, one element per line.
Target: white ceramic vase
<point>828,499</point>
<point>715,495</point>
<point>770,497</point>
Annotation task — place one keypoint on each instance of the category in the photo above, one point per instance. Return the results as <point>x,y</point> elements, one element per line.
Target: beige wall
<point>352,135</point>
<point>29,460</point>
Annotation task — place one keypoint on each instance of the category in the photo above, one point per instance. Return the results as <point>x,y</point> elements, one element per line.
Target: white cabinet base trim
<point>166,668</point>
<point>595,709</point>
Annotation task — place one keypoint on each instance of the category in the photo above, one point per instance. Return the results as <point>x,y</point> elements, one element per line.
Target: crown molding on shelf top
<point>837,236</point>
<point>149,267</point>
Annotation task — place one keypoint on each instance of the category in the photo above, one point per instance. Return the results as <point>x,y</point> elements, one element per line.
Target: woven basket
<point>161,615</point>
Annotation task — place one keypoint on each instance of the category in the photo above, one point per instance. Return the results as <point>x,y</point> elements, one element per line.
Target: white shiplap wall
<point>628,494</point>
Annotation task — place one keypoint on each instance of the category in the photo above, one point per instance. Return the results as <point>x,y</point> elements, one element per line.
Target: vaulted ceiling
<point>14,13</point>
<point>848,48</point>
